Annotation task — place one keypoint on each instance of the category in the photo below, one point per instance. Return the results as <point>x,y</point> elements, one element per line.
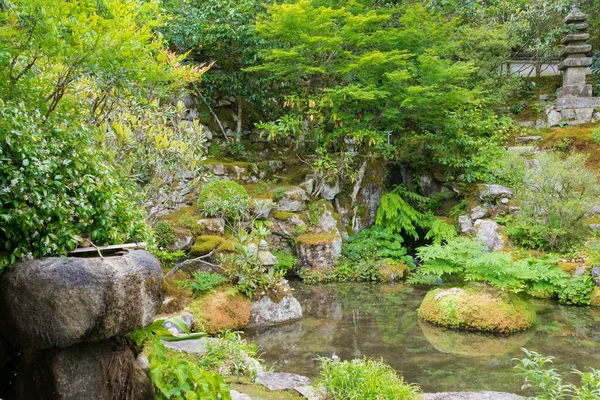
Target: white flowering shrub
<point>55,184</point>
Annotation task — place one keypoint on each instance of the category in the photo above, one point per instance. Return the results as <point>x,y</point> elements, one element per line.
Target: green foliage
<point>245,269</point>
<point>508,169</point>
<point>576,291</point>
<point>354,72</point>
<point>397,215</point>
<point>203,281</point>
<point>231,356</point>
<point>547,382</point>
<point>65,69</point>
<point>441,231</point>
<point>55,185</point>
<point>464,260</point>
<point>364,379</point>
<point>518,107</point>
<point>164,234</point>
<point>596,136</point>
<point>226,199</point>
<point>563,145</point>
<point>182,380</point>
<point>286,262</point>
<point>167,258</point>
<point>554,201</point>
<point>376,244</point>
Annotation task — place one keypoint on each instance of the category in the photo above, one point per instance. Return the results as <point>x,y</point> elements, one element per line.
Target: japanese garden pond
<point>380,321</point>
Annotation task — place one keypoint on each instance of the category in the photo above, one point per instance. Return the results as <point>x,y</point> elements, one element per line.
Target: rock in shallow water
<point>265,311</point>
<point>57,302</point>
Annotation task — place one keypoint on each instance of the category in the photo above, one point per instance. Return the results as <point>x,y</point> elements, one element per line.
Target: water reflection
<point>380,321</point>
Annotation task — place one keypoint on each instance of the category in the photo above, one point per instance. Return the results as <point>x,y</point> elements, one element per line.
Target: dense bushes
<point>225,199</point>
<point>555,198</point>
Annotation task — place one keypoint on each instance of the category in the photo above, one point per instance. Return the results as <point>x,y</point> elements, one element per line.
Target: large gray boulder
<point>98,370</point>
<point>318,250</point>
<point>265,311</point>
<point>57,302</point>
<point>293,200</point>
<point>489,233</point>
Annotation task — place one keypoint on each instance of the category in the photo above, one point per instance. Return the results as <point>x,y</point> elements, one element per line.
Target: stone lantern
<point>266,258</point>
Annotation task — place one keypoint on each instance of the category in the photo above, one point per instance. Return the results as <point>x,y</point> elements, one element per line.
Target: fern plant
<point>397,215</point>
<point>463,260</point>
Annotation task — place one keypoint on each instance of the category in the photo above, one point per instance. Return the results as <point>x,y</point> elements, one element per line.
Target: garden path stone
<point>281,380</point>
<point>472,396</point>
<point>235,395</point>
<point>192,346</point>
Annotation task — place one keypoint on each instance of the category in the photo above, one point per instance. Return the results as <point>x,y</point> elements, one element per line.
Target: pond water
<point>380,321</point>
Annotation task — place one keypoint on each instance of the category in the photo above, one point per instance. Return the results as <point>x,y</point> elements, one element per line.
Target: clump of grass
<point>364,379</point>
<point>203,281</point>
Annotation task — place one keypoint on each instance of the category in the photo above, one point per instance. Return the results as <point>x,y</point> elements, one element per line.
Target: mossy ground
<point>595,297</point>
<point>310,239</point>
<point>181,296</point>
<point>477,308</point>
<point>580,139</point>
<point>220,310</point>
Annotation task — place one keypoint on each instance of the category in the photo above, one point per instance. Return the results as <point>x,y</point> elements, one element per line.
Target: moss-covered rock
<point>477,308</point>
<point>595,297</point>
<point>392,271</point>
<point>318,250</point>
<point>205,244</point>
<point>220,311</point>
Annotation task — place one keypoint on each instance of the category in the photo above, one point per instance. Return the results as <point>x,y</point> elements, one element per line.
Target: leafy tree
<point>357,74</point>
<point>220,33</point>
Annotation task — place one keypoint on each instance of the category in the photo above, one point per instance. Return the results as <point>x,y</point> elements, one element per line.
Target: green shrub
<point>55,184</point>
<point>203,281</point>
<point>175,378</point>
<point>464,259</point>
<point>596,136</point>
<point>518,107</point>
<point>508,169</point>
<point>167,258</point>
<point>563,145</point>
<point>285,262</point>
<point>376,244</point>
<point>364,379</point>
<point>164,234</point>
<point>547,383</point>
<point>554,201</point>
<point>576,291</point>
<point>231,355</point>
<point>225,199</point>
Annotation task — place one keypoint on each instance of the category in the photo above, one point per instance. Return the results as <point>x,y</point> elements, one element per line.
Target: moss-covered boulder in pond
<point>205,244</point>
<point>318,250</point>
<point>391,270</point>
<point>477,308</point>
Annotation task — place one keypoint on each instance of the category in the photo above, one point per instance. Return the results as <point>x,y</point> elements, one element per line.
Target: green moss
<point>595,297</point>
<point>283,215</point>
<point>581,138</point>
<point>220,310</point>
<point>393,271</point>
<point>175,218</point>
<point>541,294</point>
<point>310,239</point>
<point>205,244</point>
<point>477,308</point>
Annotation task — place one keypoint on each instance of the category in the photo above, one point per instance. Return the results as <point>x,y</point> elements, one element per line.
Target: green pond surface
<point>380,321</point>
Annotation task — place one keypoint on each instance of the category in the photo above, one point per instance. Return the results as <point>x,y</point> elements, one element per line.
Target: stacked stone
<point>575,62</point>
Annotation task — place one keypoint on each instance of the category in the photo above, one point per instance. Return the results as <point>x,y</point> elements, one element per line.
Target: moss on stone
<point>220,310</point>
<point>311,239</point>
<point>283,215</point>
<point>569,266</point>
<point>180,296</point>
<point>541,294</point>
<point>477,308</point>
<point>595,297</point>
<point>391,271</point>
<point>259,392</point>
<point>205,244</point>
